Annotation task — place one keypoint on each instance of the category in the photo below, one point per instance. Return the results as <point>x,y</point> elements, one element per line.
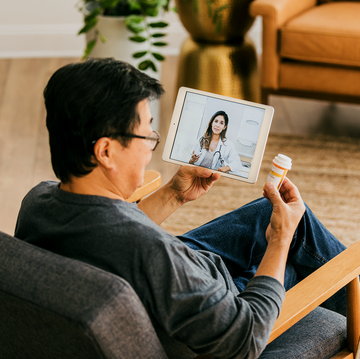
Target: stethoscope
<point>220,157</point>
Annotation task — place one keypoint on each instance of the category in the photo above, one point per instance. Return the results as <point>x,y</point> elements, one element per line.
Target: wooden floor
<point>24,151</point>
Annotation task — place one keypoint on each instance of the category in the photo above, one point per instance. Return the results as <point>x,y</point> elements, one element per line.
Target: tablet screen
<point>219,133</point>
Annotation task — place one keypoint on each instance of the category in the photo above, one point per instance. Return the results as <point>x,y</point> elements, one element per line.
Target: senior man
<point>215,290</point>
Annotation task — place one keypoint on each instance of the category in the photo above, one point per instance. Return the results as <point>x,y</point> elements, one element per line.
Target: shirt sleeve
<point>189,298</point>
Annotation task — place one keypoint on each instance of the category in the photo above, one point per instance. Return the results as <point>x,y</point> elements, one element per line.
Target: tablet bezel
<point>261,143</point>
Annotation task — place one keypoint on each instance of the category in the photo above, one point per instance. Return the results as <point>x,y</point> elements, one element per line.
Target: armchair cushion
<point>327,34</point>
<point>307,341</point>
<point>319,78</point>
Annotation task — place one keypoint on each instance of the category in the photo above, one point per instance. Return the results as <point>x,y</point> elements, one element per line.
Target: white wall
<point>35,28</point>
<point>48,28</point>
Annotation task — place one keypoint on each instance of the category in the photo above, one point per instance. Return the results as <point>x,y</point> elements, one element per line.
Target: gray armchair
<point>56,307</point>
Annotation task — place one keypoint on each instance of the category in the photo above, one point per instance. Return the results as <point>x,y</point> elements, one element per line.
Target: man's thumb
<point>272,193</point>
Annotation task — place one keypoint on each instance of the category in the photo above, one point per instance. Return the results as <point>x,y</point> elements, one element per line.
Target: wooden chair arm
<point>152,181</point>
<point>300,300</point>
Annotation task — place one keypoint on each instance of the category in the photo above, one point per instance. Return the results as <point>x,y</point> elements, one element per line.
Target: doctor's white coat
<point>224,155</point>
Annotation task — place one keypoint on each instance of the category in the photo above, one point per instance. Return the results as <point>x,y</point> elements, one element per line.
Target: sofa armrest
<point>275,13</point>
<point>300,300</point>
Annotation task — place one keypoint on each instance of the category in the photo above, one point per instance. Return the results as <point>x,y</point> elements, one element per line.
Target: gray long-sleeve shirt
<point>189,295</point>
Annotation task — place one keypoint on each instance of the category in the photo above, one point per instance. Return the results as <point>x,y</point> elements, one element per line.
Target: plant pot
<point>117,43</point>
<point>235,19</point>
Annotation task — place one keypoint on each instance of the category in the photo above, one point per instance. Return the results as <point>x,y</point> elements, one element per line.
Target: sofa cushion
<point>329,33</point>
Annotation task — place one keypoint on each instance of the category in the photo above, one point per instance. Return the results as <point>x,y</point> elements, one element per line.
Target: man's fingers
<point>199,172</point>
<point>289,191</point>
<point>271,193</point>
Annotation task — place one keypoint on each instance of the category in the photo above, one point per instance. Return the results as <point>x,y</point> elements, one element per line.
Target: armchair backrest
<point>56,307</point>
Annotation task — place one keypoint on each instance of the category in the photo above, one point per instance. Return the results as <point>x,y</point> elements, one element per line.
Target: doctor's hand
<point>288,209</point>
<point>224,169</point>
<point>190,183</point>
<point>194,158</point>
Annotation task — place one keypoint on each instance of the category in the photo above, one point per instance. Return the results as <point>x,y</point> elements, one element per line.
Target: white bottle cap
<point>283,161</point>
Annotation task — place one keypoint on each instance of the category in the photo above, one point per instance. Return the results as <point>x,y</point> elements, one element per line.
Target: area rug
<point>325,169</point>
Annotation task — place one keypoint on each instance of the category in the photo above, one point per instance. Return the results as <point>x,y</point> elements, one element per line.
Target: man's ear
<point>103,150</point>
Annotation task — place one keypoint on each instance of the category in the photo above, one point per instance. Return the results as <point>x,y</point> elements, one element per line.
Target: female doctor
<point>214,150</point>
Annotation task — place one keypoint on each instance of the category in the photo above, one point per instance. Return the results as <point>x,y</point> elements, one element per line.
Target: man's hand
<point>190,183</point>
<point>288,208</point>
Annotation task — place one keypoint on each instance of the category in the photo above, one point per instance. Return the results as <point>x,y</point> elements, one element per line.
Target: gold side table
<point>228,69</point>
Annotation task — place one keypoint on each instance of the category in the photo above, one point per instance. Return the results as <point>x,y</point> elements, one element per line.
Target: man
<point>215,290</point>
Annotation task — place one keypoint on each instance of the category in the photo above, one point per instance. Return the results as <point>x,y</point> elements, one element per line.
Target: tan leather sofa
<point>310,50</point>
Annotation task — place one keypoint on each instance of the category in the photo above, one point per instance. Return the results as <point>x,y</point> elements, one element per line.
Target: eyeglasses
<point>155,137</point>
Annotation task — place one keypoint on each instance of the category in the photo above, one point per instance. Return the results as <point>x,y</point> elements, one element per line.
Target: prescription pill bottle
<point>281,166</point>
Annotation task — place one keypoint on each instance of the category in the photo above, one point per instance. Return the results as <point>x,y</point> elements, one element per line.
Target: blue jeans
<point>239,238</point>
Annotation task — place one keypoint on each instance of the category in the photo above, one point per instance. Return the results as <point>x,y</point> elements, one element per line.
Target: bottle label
<point>277,176</point>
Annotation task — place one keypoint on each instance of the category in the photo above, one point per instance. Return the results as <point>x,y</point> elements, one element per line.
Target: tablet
<point>224,134</point>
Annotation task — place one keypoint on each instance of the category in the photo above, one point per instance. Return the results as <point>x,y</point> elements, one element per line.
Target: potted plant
<point>141,22</point>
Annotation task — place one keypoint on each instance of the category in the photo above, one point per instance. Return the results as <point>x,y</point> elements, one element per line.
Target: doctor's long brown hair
<point>206,139</point>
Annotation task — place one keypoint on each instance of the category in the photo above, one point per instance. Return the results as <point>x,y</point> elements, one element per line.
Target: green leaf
<point>158,35</point>
<point>144,65</point>
<point>134,5</point>
<point>136,29</point>
<point>152,65</point>
<point>92,15</point>
<point>158,56</point>
<point>218,27</point>
<point>160,43</point>
<point>136,19</point>
<point>137,55</point>
<point>90,45</point>
<point>221,8</point>
<point>174,9</point>
<point>151,11</point>
<point>108,3</point>
<point>209,9</point>
<point>138,38</point>
<point>88,26</point>
<point>154,3</point>
<point>216,18</point>
<point>101,36</point>
<point>160,24</point>
<point>135,23</point>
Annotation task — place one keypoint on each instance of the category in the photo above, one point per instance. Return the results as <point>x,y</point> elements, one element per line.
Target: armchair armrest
<point>152,181</point>
<point>275,13</point>
<point>300,300</point>
<point>279,11</point>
